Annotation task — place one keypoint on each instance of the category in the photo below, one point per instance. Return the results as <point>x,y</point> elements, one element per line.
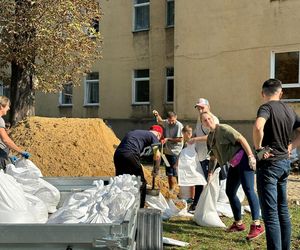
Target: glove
<point>252,162</point>
<point>25,154</point>
<point>13,159</point>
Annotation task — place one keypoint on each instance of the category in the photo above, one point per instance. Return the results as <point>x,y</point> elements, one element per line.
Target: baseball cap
<point>158,129</point>
<point>201,102</point>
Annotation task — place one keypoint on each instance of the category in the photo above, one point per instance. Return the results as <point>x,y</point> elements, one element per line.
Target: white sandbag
<point>49,194</point>
<point>14,207</point>
<point>167,207</point>
<point>37,207</point>
<point>190,172</point>
<point>24,168</point>
<point>99,204</point>
<point>99,213</point>
<point>206,212</point>
<point>28,174</point>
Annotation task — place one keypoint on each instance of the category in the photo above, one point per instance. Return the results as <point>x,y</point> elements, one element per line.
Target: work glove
<point>252,162</point>
<point>25,154</point>
<point>13,159</point>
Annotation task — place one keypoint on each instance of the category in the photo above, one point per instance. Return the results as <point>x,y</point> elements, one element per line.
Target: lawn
<point>216,238</point>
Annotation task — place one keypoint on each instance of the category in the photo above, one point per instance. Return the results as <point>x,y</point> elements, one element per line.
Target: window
<point>141,88</point>
<point>91,89</point>
<point>4,90</point>
<point>170,13</point>
<point>170,85</point>
<point>141,15</point>
<point>285,67</point>
<point>65,96</point>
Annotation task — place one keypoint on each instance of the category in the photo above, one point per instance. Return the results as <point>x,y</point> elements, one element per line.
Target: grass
<point>209,238</point>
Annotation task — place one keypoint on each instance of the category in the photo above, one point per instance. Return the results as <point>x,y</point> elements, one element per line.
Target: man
<point>273,128</point>
<point>173,144</point>
<point>6,143</point>
<point>128,153</point>
<point>200,138</point>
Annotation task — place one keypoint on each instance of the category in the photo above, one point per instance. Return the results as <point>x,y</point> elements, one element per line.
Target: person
<point>173,144</point>
<point>6,143</point>
<point>128,153</point>
<point>200,137</point>
<point>228,145</point>
<point>187,133</point>
<point>273,128</point>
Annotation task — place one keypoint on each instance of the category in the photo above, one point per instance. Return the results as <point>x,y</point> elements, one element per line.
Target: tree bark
<point>21,94</point>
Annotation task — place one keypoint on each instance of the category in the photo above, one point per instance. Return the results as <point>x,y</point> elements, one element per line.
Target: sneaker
<point>255,231</point>
<point>192,209</point>
<point>236,227</point>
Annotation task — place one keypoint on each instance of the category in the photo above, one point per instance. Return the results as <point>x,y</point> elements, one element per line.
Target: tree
<point>45,44</point>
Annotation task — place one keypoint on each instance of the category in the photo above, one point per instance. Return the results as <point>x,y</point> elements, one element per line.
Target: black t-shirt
<point>135,141</point>
<point>281,120</point>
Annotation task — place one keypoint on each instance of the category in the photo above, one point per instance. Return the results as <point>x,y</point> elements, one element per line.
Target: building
<point>165,54</point>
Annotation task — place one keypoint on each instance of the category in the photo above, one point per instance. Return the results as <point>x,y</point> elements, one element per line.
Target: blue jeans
<point>242,174</point>
<point>271,187</point>
<point>171,171</point>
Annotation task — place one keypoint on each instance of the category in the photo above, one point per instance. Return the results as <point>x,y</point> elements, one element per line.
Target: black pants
<point>128,163</point>
<point>199,188</point>
<point>4,159</point>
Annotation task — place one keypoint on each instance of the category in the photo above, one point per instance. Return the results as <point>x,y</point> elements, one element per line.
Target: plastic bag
<point>14,207</point>
<point>206,211</point>
<point>190,172</point>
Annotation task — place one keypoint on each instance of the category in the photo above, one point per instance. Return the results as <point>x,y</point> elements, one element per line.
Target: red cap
<point>158,129</point>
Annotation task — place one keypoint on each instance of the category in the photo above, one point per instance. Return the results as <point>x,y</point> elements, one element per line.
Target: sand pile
<point>68,146</point>
<point>71,147</point>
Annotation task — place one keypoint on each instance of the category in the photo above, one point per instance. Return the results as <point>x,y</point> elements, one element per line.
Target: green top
<point>223,143</point>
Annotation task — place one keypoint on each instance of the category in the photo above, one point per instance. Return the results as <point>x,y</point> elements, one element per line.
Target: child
<point>186,192</point>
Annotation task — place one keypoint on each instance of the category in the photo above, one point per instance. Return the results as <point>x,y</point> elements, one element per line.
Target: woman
<point>225,144</point>
<point>6,142</point>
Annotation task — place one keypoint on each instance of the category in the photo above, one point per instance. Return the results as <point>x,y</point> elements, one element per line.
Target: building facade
<point>165,54</point>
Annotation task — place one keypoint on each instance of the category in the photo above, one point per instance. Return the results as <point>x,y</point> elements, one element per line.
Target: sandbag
<point>206,212</point>
<point>37,207</point>
<point>190,172</point>
<point>99,204</point>
<point>28,175</point>
<point>14,207</point>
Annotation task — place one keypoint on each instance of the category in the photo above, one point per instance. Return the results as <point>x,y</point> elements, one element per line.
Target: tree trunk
<point>21,94</point>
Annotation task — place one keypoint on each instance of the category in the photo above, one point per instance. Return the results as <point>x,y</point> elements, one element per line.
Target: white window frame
<point>134,81</point>
<point>2,89</point>
<point>169,25</point>
<point>60,99</point>
<point>137,5</point>
<point>86,103</point>
<point>167,79</point>
<point>285,85</point>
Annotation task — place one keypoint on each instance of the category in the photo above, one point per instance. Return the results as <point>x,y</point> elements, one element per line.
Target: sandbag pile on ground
<point>100,204</point>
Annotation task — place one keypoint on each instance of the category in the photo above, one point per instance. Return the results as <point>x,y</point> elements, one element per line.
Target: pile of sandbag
<point>24,196</point>
<point>100,204</point>
<point>29,176</point>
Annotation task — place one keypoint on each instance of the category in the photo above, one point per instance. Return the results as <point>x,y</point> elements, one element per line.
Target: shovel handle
<point>153,182</point>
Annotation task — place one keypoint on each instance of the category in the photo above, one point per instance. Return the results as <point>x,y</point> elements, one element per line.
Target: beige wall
<point>220,50</point>
<point>123,51</point>
<point>223,48</point>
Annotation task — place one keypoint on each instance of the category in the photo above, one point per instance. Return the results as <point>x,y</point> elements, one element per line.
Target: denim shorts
<point>171,171</point>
